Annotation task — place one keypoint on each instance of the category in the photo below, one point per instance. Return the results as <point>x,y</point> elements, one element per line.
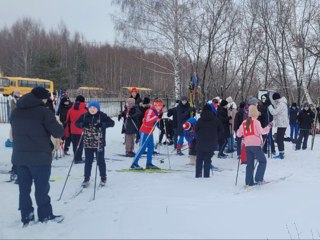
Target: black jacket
<point>32,126</point>
<point>63,110</point>
<point>305,119</point>
<point>173,112</point>
<point>88,120</point>
<point>293,115</point>
<point>137,99</point>
<point>222,114</point>
<point>208,130</point>
<point>266,117</point>
<point>131,123</point>
<point>183,114</point>
<point>238,119</point>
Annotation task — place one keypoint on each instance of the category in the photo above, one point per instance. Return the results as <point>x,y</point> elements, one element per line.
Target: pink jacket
<point>256,139</point>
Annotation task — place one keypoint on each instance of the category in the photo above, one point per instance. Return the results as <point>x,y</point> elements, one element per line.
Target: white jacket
<point>280,113</point>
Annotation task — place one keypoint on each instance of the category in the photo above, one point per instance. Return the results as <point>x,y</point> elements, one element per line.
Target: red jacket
<point>149,120</point>
<point>72,116</point>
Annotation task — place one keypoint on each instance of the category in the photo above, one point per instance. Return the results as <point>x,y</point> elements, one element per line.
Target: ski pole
<point>75,153</point>
<point>165,130</point>
<point>238,169</point>
<point>145,142</point>
<point>95,177</point>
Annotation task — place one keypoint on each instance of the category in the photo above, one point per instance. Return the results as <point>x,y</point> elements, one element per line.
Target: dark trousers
<point>252,153</point>
<point>89,153</point>
<point>303,134</point>
<point>67,143</point>
<point>75,138</point>
<point>203,162</point>
<point>268,141</point>
<point>222,144</point>
<point>40,175</point>
<point>280,139</point>
<point>175,138</point>
<point>239,142</point>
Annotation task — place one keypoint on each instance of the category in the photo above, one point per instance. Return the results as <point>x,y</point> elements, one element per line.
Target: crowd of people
<point>222,127</point>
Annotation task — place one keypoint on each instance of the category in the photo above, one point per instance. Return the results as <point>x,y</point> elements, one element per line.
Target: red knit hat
<point>186,126</point>
<point>134,90</point>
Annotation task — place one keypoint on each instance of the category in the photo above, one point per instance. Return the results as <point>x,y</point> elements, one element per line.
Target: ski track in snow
<point>176,204</point>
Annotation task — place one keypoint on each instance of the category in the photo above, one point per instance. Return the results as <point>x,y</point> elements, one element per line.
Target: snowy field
<point>175,204</point>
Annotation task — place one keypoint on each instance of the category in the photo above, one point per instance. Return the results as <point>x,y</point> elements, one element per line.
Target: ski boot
<point>86,182</point>
<point>280,156</point>
<point>135,166</point>
<point>151,166</point>
<point>179,152</point>
<point>103,181</point>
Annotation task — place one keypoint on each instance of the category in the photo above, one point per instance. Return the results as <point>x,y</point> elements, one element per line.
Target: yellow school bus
<point>9,84</point>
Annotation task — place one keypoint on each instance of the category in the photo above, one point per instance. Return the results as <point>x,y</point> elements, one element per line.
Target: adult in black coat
<point>172,112</point>
<point>208,130</point>
<point>222,114</point>
<point>238,119</point>
<point>265,118</point>
<point>32,126</point>
<point>64,107</point>
<point>183,114</point>
<point>305,120</point>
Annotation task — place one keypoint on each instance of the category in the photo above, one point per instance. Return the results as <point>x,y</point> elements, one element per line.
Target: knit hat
<point>206,107</point>
<point>65,99</point>
<point>184,98</point>
<point>130,102</point>
<point>94,104</point>
<point>186,126</point>
<point>229,99</point>
<point>40,92</point>
<point>306,104</point>
<point>252,100</point>
<point>146,100</point>
<point>253,111</point>
<point>223,103</point>
<point>294,104</point>
<point>134,90</point>
<point>80,98</point>
<point>276,96</point>
<point>242,105</point>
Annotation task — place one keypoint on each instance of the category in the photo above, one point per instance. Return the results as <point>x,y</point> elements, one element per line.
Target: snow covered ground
<point>176,204</point>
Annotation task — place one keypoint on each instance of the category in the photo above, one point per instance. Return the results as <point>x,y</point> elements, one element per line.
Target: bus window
<point>47,85</point>
<point>4,82</point>
<point>12,83</point>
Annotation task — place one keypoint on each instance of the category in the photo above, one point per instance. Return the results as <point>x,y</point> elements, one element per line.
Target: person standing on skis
<point>252,132</point>
<point>151,118</point>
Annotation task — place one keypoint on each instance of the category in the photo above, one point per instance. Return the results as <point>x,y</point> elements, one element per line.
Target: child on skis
<point>252,132</point>
<point>151,118</point>
<point>189,128</point>
<point>94,124</point>
<point>131,115</point>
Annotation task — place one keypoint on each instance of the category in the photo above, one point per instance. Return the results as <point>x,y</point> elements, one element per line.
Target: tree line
<point>28,50</point>
<point>235,47</point>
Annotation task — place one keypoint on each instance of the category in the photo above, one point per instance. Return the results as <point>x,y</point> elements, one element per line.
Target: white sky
<point>89,17</point>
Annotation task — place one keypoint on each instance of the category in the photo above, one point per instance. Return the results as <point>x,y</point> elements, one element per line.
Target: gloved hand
<point>98,125</point>
<point>160,115</point>
<point>119,117</point>
<point>86,125</point>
